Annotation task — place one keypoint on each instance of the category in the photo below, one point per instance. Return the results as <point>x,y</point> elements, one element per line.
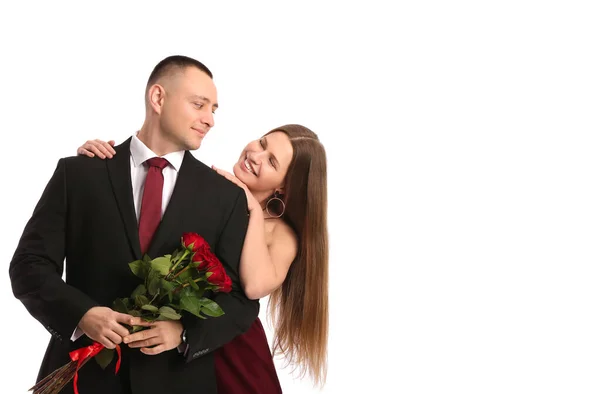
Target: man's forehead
<point>199,83</point>
<point>192,82</point>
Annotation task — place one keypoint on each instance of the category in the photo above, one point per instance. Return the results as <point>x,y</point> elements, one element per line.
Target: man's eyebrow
<point>206,100</point>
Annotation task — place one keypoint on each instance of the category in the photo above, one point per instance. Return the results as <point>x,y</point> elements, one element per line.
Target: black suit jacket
<point>86,216</point>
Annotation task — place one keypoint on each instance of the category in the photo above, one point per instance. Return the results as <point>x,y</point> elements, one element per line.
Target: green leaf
<point>168,286</point>
<point>195,264</point>
<point>185,276</point>
<point>193,284</point>
<point>135,313</point>
<point>188,292</point>
<point>150,308</point>
<point>154,285</point>
<point>212,309</point>
<point>104,357</point>
<point>137,328</point>
<point>120,306</point>
<point>204,301</point>
<point>161,264</point>
<point>169,313</point>
<point>178,254</point>
<point>200,291</point>
<point>138,268</point>
<point>140,290</point>
<point>141,300</point>
<point>190,304</point>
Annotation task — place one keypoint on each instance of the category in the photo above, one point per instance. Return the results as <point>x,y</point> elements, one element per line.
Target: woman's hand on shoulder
<point>99,148</point>
<point>252,203</point>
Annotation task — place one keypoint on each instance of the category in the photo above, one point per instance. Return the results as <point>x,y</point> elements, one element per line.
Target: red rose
<point>219,277</point>
<point>192,241</point>
<point>205,257</point>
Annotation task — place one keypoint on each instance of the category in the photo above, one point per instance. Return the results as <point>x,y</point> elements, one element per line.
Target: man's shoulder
<point>216,181</point>
<point>83,163</point>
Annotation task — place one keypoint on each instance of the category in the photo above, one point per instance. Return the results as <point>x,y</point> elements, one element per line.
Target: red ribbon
<point>84,353</point>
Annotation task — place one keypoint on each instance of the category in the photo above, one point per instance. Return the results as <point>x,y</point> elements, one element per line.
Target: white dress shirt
<point>139,153</point>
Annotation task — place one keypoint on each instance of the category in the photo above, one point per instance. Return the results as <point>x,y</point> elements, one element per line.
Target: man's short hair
<point>175,63</point>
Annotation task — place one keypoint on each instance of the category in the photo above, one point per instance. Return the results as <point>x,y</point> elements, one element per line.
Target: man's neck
<point>153,138</point>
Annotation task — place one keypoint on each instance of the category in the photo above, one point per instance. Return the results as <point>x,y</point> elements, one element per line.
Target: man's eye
<point>198,105</point>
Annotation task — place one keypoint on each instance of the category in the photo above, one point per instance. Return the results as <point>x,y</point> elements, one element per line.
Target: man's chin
<point>194,145</point>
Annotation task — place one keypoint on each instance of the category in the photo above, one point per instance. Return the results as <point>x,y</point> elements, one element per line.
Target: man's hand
<point>160,337</point>
<point>103,325</point>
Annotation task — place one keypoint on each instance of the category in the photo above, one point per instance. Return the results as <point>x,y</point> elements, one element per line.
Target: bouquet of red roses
<point>171,284</point>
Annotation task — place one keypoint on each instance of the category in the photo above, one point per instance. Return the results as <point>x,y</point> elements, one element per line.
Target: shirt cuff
<point>77,333</point>
<point>183,348</point>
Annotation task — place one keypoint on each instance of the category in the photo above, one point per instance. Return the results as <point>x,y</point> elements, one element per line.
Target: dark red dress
<point>245,365</point>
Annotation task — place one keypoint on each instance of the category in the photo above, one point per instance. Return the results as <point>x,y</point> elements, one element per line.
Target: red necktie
<point>151,211</point>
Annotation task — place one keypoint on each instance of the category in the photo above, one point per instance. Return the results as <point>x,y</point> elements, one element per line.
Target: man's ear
<point>156,97</point>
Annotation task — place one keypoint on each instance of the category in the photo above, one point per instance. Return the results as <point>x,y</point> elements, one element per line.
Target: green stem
<point>183,286</point>
<point>178,261</point>
<point>153,298</point>
<point>181,272</point>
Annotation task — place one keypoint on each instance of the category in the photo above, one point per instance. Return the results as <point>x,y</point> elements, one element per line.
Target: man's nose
<point>208,119</point>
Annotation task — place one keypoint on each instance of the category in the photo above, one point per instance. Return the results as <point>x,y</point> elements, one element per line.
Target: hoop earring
<point>279,201</point>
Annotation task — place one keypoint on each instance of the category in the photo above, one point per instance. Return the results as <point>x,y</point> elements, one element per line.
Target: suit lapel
<point>186,186</point>
<point>119,171</point>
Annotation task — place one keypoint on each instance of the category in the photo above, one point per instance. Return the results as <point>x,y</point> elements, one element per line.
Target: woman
<point>285,254</point>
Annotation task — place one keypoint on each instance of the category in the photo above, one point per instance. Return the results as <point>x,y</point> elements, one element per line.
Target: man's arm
<point>37,265</point>
<point>206,335</point>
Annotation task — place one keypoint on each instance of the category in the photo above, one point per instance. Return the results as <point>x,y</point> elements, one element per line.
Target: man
<point>101,215</point>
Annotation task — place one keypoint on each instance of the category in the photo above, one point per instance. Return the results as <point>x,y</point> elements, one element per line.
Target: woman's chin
<point>238,172</point>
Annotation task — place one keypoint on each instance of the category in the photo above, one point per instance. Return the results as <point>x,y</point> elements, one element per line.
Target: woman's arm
<point>263,267</point>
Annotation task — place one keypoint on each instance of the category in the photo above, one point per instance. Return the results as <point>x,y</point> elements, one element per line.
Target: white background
<point>462,140</point>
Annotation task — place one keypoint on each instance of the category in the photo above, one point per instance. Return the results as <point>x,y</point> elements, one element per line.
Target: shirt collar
<point>140,153</point>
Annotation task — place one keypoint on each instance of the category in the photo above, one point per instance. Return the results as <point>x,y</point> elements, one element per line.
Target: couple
<point>266,223</point>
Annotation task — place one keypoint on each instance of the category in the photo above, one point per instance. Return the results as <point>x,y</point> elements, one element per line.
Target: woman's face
<point>264,164</point>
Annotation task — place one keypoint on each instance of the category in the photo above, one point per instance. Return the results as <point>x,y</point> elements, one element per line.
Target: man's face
<point>187,112</point>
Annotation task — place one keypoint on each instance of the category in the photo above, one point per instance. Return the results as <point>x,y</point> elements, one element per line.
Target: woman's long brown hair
<point>299,309</point>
